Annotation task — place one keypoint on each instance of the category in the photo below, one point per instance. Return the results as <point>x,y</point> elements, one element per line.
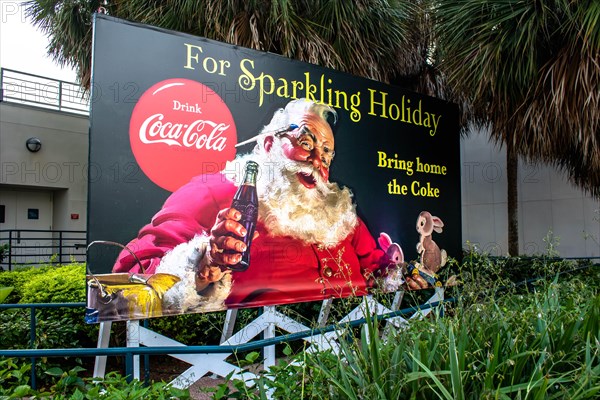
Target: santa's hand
<point>208,274</point>
<point>211,273</point>
<point>225,246</point>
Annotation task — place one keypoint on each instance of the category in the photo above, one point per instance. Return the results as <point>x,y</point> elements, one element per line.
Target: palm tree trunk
<point>512,164</point>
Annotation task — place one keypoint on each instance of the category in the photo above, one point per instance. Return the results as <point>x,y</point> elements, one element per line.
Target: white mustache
<point>294,167</point>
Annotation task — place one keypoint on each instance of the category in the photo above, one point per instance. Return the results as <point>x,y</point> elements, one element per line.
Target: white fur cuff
<point>184,261</point>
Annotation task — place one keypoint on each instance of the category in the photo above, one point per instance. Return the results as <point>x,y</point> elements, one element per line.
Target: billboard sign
<point>354,185</point>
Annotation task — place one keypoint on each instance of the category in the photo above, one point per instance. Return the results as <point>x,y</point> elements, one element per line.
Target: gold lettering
<point>424,191</point>
<point>311,88</point>
<point>246,80</point>
<point>190,57</point>
<point>282,91</point>
<point>430,168</point>
<point>381,103</point>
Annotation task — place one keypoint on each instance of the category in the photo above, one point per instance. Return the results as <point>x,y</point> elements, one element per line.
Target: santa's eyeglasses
<point>306,139</point>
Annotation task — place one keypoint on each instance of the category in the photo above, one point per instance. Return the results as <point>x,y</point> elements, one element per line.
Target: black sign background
<point>129,58</point>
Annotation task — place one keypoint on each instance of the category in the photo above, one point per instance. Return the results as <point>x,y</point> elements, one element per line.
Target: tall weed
<point>541,341</point>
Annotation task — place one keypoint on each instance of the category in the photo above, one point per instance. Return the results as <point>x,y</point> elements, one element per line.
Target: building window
<point>2,213</point>
<point>33,213</point>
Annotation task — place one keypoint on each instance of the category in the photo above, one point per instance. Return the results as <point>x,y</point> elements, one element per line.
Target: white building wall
<point>548,204</point>
<point>60,167</point>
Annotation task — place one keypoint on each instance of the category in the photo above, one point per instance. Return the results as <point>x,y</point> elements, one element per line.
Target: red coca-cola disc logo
<point>179,129</point>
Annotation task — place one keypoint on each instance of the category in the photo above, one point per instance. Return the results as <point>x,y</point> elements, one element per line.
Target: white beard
<point>323,215</point>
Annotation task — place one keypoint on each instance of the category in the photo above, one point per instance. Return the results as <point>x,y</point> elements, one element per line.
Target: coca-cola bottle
<point>246,202</point>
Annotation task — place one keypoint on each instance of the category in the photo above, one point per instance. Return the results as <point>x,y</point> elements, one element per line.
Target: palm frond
<point>531,69</point>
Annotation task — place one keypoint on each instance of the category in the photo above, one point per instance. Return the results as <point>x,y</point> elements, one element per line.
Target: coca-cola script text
<point>199,134</point>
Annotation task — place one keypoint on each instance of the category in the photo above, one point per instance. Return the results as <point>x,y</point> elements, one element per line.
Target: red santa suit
<point>282,269</point>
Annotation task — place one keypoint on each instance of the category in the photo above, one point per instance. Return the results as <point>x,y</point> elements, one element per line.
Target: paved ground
<point>197,392</point>
<point>168,368</point>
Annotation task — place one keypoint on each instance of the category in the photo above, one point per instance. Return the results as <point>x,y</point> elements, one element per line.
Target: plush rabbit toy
<point>395,277</point>
<point>432,258</point>
<point>393,250</point>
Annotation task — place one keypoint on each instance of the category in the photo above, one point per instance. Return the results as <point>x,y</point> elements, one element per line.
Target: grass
<point>540,340</point>
<point>537,341</point>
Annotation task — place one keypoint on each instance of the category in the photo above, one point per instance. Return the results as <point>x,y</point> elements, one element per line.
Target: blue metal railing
<point>130,352</point>
<point>40,91</point>
<point>33,325</point>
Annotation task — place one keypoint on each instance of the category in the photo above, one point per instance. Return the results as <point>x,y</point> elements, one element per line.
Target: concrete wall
<point>60,167</point>
<point>548,204</point>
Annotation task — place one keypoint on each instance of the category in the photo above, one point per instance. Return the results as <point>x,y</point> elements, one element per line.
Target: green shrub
<point>14,379</point>
<point>14,384</point>
<point>191,329</point>
<point>200,328</point>
<point>56,328</point>
<point>112,386</point>
<point>62,284</point>
<point>18,279</point>
<point>50,333</point>
<point>14,329</point>
<point>482,275</point>
<point>540,342</point>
